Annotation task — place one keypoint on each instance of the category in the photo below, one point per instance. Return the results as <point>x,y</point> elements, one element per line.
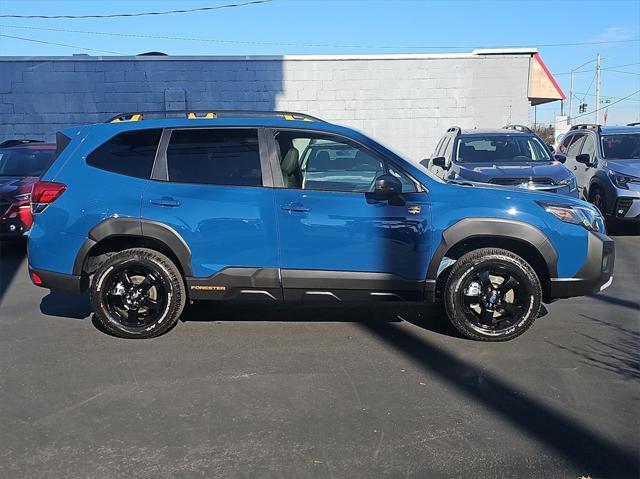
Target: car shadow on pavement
<point>12,254</point>
<point>62,305</point>
<point>619,357</point>
<point>431,318</point>
<point>585,448</point>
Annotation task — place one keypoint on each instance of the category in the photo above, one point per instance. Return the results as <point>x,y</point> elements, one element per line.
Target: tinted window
<point>215,156</point>
<point>501,148</point>
<point>574,147</point>
<point>24,161</point>
<point>622,146</point>
<point>564,146</point>
<point>322,162</point>
<point>130,153</point>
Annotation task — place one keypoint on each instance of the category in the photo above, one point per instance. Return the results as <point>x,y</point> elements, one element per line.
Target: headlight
<point>621,180</point>
<point>23,197</point>
<point>570,182</point>
<point>585,216</point>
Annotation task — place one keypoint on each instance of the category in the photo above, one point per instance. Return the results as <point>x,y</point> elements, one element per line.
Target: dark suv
<point>606,162</point>
<point>513,156</point>
<point>148,214</point>
<point>21,163</point>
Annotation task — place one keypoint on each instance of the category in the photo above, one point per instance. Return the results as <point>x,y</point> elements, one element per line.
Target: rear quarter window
<point>129,153</point>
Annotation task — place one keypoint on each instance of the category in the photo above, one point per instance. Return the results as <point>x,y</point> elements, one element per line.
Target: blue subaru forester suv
<point>148,214</point>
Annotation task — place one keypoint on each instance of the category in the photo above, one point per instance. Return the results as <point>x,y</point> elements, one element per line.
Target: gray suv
<point>606,162</point>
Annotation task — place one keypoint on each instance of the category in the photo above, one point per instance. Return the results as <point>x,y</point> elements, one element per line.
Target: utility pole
<point>597,89</point>
<point>571,100</point>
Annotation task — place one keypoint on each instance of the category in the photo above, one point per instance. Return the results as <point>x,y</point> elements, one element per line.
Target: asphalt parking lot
<point>321,391</point>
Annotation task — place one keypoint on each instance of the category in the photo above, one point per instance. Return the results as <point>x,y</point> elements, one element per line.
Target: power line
<point>312,45</point>
<point>61,44</point>
<point>141,14</point>
<point>604,96</point>
<point>619,71</point>
<point>602,69</point>
<point>607,106</point>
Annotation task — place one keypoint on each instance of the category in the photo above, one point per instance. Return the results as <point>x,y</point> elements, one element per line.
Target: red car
<point>21,163</point>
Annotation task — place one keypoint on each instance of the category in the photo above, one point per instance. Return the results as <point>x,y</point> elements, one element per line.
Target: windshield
<point>623,146</point>
<point>24,161</point>
<point>500,149</point>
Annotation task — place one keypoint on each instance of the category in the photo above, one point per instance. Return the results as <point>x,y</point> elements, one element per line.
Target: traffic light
<point>582,108</point>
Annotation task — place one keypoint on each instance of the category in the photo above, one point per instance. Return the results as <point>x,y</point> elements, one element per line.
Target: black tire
<point>598,199</point>
<point>474,295</point>
<point>137,293</point>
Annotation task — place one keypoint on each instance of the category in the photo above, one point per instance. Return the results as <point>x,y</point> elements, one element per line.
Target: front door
<point>578,169</point>
<point>338,240</point>
<point>210,190</point>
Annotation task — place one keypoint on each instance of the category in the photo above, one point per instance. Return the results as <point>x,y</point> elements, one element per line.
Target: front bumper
<point>596,273</point>
<point>627,209</point>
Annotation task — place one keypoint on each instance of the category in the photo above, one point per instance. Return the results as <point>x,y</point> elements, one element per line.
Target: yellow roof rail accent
<point>134,117</point>
<point>289,117</point>
<point>208,116</point>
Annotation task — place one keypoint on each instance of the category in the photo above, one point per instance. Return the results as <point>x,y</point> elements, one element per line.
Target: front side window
<point>129,153</point>
<point>623,146</point>
<point>500,148</point>
<point>589,147</point>
<point>215,156</point>
<point>564,146</point>
<point>311,161</point>
<point>24,161</point>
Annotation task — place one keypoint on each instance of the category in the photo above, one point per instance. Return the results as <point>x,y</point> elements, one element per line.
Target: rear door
<point>337,239</point>
<point>211,189</point>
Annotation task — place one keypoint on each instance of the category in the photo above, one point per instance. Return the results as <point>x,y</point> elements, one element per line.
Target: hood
<point>626,167</point>
<point>15,185</point>
<point>484,172</point>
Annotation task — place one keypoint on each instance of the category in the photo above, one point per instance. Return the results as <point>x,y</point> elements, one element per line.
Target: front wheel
<point>492,295</point>
<point>137,293</point>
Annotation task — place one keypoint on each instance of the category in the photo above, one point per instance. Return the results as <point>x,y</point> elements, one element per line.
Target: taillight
<point>44,193</point>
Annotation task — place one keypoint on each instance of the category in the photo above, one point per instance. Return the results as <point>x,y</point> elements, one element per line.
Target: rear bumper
<point>12,228</point>
<point>595,274</point>
<point>67,283</point>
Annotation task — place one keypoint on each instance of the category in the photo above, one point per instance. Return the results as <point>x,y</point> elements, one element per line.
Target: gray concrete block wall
<point>407,102</point>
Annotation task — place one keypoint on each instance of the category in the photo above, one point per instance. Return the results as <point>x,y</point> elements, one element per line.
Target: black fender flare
<point>498,228</point>
<point>135,227</point>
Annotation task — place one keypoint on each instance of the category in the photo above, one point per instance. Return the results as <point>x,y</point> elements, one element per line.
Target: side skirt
<point>270,284</point>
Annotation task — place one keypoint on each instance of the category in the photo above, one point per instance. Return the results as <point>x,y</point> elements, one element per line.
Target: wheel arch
<point>470,234</point>
<point>116,234</point>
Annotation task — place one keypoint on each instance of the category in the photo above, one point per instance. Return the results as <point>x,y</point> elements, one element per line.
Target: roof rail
<point>523,128</point>
<point>453,128</point>
<point>210,114</point>
<point>586,126</point>
<point>10,143</point>
<point>635,123</point>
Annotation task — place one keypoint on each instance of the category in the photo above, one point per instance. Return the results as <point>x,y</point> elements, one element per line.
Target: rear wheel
<point>137,293</point>
<point>492,295</point>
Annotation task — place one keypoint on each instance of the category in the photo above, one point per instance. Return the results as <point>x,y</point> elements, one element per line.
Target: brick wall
<point>404,101</point>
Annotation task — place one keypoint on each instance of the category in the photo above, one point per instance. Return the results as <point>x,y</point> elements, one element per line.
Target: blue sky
<point>344,26</point>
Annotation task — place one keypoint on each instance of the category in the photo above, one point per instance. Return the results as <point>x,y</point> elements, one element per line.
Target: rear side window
<point>574,148</point>
<point>215,156</point>
<point>129,153</point>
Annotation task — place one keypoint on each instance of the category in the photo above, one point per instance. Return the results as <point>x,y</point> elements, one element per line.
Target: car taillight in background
<point>44,193</point>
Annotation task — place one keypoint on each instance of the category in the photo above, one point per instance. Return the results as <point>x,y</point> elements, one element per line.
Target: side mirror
<point>584,158</point>
<point>387,185</point>
<point>440,161</point>
<point>560,158</point>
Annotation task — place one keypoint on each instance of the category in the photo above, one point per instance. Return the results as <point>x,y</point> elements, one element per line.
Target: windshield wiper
<point>461,182</point>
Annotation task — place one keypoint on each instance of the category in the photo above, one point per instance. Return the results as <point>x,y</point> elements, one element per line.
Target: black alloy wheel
<point>137,293</point>
<point>492,294</point>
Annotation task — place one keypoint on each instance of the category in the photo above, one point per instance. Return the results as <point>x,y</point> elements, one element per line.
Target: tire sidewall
<point>455,307</point>
<point>154,264</point>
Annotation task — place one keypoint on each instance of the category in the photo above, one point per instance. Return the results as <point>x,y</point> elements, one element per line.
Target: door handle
<point>295,208</point>
<point>165,201</point>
